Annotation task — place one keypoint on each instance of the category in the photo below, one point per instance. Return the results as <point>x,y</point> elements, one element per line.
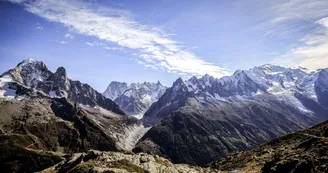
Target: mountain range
<point>135,98</point>
<point>195,121</point>
<point>34,75</point>
<point>201,119</point>
<point>33,99</point>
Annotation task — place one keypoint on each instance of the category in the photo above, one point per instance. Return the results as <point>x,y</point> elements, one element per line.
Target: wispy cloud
<point>281,18</point>
<point>113,48</point>
<point>307,22</point>
<point>312,53</point>
<point>62,42</point>
<point>16,1</point>
<point>95,43</point>
<point>70,36</point>
<point>155,48</point>
<point>38,26</point>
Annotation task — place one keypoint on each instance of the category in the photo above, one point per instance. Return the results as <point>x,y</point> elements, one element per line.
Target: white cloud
<point>312,53</point>
<point>95,43</point>
<point>113,48</point>
<point>153,47</point>
<point>70,36</point>
<point>281,18</point>
<point>38,26</point>
<point>62,42</point>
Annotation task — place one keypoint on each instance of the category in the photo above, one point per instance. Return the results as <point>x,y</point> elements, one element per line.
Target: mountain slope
<point>135,98</point>
<point>304,151</point>
<point>36,76</point>
<point>51,124</point>
<point>200,132</point>
<point>199,120</point>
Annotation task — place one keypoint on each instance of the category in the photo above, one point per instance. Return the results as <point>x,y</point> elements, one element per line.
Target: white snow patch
<point>52,94</point>
<point>5,91</point>
<point>138,116</point>
<point>146,99</point>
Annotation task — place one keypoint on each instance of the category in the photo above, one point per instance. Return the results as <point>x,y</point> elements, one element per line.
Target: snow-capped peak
<point>28,61</point>
<point>134,98</point>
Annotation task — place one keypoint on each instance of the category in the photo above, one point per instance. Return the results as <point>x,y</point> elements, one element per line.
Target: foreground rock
<point>115,162</point>
<point>17,159</point>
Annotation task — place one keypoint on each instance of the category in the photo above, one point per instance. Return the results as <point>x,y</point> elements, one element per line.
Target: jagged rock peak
<point>117,83</point>
<point>179,81</point>
<point>61,71</point>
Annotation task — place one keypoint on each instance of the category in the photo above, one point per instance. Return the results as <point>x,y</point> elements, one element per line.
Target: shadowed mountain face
<point>35,75</point>
<point>201,132</point>
<point>17,159</point>
<point>200,120</point>
<point>304,151</point>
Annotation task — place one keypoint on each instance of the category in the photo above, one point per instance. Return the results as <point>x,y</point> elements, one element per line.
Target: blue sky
<point>134,41</point>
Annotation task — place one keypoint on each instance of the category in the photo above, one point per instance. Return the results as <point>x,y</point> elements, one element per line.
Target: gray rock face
<point>198,120</point>
<point>135,98</point>
<point>115,89</point>
<point>35,75</point>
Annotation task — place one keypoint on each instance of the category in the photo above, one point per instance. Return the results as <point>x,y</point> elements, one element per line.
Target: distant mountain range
<point>135,98</point>
<point>304,90</point>
<point>206,118</point>
<point>195,121</point>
